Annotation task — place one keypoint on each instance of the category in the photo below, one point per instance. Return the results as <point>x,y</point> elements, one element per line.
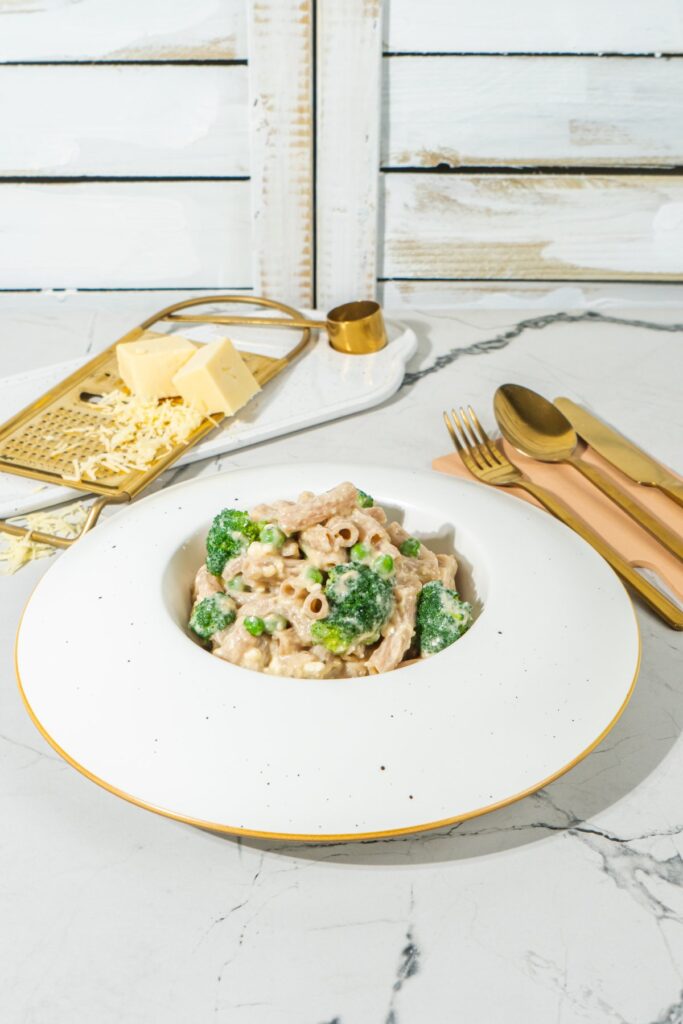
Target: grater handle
<point>64,542</point>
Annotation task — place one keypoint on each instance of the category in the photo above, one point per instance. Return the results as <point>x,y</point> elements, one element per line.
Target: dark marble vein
<point>537,323</point>
<point>408,965</point>
<point>672,1014</point>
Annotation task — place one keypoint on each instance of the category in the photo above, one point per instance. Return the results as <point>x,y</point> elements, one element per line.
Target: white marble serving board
<point>322,385</point>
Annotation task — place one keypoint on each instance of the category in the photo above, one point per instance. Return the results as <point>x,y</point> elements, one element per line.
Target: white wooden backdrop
<point>341,148</point>
<point>524,148</point>
<point>157,144</point>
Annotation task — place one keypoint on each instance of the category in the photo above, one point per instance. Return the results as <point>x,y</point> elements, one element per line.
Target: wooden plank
<point>281,105</point>
<point>533,26</point>
<point>401,296</point>
<point>533,226</point>
<point>118,235</point>
<point>532,110</point>
<point>348,130</point>
<point>121,30</point>
<point>124,120</point>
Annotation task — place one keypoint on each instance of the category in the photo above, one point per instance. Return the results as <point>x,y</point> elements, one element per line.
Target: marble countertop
<point>566,907</point>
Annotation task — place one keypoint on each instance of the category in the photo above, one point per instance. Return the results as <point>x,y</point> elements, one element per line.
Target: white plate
<point>322,385</point>
<point>118,688</point>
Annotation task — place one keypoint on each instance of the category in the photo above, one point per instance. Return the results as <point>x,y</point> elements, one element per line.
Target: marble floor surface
<point>566,907</point>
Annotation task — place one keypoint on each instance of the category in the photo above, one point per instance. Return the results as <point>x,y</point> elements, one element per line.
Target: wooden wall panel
<point>349,65</point>
<point>533,26</point>
<point>122,120</point>
<point>533,226</point>
<point>156,104</point>
<point>122,235</point>
<point>281,106</point>
<point>515,111</point>
<point>122,30</point>
<point>607,296</point>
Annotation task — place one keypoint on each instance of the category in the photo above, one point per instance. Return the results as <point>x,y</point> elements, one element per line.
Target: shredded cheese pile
<point>16,552</point>
<point>133,434</point>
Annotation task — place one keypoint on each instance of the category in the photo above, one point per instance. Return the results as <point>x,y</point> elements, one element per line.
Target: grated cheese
<point>16,552</point>
<point>134,433</point>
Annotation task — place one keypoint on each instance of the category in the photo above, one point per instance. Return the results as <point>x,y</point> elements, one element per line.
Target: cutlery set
<point>549,432</point>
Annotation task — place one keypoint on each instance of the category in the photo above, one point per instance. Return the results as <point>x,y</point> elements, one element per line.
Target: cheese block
<point>216,379</point>
<point>147,366</point>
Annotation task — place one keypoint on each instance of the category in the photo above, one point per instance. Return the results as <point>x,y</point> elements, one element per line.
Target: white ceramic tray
<point>322,385</point>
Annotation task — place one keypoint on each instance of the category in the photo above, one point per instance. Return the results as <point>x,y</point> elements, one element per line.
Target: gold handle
<point>254,321</point>
<point>633,508</point>
<point>665,608</point>
<point>65,542</point>
<point>673,489</point>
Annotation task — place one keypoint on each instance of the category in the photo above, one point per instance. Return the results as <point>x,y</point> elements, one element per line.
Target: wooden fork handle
<point>654,526</point>
<point>673,489</point>
<point>665,608</point>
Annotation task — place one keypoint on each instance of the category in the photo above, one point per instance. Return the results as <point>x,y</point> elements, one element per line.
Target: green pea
<point>410,547</point>
<point>359,552</point>
<point>273,623</point>
<point>365,500</point>
<point>237,583</point>
<point>314,574</point>
<point>272,535</point>
<point>254,625</point>
<point>384,565</point>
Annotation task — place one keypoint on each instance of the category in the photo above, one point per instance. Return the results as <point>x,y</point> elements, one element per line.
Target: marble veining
<point>564,908</point>
<point>535,323</point>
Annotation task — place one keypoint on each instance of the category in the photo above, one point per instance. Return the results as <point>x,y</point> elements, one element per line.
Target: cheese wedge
<point>147,366</point>
<point>216,379</point>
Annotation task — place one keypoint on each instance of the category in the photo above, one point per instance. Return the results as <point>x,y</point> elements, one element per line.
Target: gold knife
<point>621,452</point>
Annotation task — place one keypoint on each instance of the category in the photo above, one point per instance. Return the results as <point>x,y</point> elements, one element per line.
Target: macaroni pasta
<point>323,587</point>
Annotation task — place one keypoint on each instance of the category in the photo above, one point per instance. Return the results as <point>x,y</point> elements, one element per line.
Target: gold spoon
<point>538,429</point>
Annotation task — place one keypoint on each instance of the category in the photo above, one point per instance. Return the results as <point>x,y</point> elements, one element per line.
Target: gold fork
<point>485,461</point>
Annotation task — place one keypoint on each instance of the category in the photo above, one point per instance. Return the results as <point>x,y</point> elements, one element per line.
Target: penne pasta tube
<point>323,587</point>
<point>316,606</point>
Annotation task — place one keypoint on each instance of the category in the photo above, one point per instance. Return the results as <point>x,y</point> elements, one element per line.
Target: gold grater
<point>28,439</point>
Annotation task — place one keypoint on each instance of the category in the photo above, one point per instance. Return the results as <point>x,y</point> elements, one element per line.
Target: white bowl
<point>114,682</point>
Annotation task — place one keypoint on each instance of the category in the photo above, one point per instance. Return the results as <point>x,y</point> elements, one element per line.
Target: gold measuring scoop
<point>356,328</point>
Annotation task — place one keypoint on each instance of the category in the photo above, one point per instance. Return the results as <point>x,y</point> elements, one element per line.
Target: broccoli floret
<point>212,614</point>
<point>231,532</point>
<point>442,617</point>
<point>365,500</point>
<point>360,602</point>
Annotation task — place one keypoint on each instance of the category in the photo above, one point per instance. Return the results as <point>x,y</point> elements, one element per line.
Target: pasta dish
<point>323,587</point>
